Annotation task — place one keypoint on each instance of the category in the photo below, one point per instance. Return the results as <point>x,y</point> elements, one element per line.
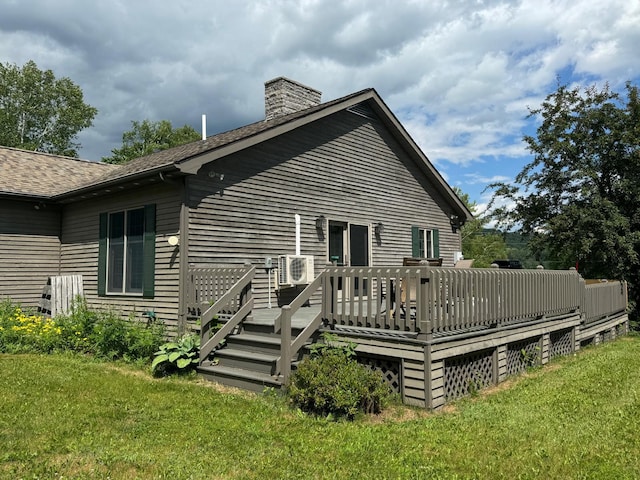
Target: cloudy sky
<point>458,74</point>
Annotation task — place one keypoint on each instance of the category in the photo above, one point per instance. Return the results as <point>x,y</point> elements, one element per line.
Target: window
<point>127,252</point>
<point>425,243</point>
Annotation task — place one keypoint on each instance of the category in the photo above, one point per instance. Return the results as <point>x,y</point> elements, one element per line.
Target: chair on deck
<point>464,263</point>
<point>409,286</point>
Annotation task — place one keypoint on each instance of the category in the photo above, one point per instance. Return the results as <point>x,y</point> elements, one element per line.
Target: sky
<point>459,75</point>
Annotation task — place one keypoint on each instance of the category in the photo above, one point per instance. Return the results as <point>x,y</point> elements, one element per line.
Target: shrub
<point>332,383</point>
<point>103,334</point>
<point>78,327</point>
<point>116,338</point>
<point>180,356</point>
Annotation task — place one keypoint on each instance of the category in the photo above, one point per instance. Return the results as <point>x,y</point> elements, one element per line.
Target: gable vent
<point>364,110</point>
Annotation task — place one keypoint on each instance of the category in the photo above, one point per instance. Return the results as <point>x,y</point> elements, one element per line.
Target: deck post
<point>285,343</point>
<point>428,377</point>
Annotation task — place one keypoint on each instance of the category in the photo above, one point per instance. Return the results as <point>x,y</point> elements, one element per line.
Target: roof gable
<point>65,177</point>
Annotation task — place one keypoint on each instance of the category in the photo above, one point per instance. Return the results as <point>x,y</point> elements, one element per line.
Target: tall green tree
<point>478,243</point>
<point>147,137</point>
<point>41,112</point>
<point>579,197</point>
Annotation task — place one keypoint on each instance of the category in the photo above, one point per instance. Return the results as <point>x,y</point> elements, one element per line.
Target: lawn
<point>66,416</point>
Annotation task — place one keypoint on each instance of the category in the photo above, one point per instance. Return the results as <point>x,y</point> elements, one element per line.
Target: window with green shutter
<point>126,257</point>
<point>425,243</point>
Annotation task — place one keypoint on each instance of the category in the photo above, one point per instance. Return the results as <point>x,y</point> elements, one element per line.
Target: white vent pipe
<point>297,217</point>
<point>204,126</point>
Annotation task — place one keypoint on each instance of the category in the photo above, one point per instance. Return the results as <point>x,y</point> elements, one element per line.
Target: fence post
<point>285,343</point>
<point>423,307</point>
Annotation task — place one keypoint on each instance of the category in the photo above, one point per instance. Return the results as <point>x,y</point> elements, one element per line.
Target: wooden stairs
<point>247,360</point>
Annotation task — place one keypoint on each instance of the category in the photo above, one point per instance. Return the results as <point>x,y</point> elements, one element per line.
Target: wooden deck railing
<point>289,347</point>
<point>461,299</point>
<point>206,285</point>
<point>420,300</point>
<point>601,300</point>
<point>382,297</point>
<point>236,302</point>
<point>440,300</point>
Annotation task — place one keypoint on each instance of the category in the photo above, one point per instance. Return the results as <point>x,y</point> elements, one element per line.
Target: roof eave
<point>115,181</point>
<point>25,196</point>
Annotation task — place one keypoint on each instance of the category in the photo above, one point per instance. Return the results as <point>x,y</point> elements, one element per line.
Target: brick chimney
<point>283,96</point>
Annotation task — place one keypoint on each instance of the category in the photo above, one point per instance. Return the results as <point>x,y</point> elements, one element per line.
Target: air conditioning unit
<point>295,269</point>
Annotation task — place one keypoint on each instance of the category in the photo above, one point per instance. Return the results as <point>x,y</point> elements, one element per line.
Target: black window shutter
<point>149,263</point>
<point>436,243</point>
<point>102,255</point>
<point>415,241</point>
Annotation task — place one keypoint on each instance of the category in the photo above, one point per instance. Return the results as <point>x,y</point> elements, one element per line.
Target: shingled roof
<point>181,153</point>
<point>36,174</point>
<point>41,175</point>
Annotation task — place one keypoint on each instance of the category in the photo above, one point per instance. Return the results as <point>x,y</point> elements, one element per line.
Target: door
<point>359,254</point>
<point>349,246</point>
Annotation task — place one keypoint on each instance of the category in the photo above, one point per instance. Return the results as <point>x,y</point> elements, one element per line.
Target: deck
<point>434,333</point>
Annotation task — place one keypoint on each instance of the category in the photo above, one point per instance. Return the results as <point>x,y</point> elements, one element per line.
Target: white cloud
<point>459,75</point>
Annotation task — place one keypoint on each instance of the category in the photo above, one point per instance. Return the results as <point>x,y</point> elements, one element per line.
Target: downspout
<point>183,258</point>
<point>60,227</point>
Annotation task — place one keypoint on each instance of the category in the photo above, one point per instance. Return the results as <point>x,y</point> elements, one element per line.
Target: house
<point>339,182</point>
<point>336,195</point>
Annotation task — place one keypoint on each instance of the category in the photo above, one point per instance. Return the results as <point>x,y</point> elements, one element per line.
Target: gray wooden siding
<point>29,250</point>
<point>79,252</point>
<point>345,167</point>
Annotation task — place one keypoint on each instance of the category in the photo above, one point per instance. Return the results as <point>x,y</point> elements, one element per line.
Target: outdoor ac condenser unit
<point>295,269</point>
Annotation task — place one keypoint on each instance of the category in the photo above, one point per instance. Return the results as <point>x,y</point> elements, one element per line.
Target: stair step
<point>238,358</point>
<point>238,377</point>
<point>268,344</point>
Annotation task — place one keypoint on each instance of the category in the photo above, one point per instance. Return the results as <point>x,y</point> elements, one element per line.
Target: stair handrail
<point>282,325</point>
<point>243,288</point>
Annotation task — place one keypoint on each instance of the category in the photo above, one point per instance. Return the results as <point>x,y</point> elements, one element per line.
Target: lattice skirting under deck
<point>522,355</point>
<point>466,374</point>
<point>561,343</point>
<point>389,369</point>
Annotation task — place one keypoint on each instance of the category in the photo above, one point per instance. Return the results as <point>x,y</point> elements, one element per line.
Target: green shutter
<point>148,269</point>
<point>415,241</point>
<point>102,255</point>
<point>436,243</point>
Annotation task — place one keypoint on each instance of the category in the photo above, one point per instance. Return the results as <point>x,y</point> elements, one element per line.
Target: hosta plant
<point>180,356</point>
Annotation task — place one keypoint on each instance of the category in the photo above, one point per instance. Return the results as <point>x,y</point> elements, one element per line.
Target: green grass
<point>70,417</point>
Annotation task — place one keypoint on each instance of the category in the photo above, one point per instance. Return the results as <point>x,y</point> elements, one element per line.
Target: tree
<point>482,245</point>
<point>39,112</point>
<point>147,137</point>
<point>579,197</point>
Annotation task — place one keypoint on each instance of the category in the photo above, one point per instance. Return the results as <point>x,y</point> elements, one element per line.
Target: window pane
<point>115,252</point>
<point>429,244</point>
<point>422,244</point>
<point>135,231</point>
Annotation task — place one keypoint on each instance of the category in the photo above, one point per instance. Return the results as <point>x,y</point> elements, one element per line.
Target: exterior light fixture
<point>456,222</point>
<point>320,222</point>
<point>379,229</point>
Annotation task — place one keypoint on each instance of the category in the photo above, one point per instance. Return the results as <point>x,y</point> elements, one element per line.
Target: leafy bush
<point>103,334</point>
<point>180,356</point>
<point>332,383</point>
<point>21,331</point>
